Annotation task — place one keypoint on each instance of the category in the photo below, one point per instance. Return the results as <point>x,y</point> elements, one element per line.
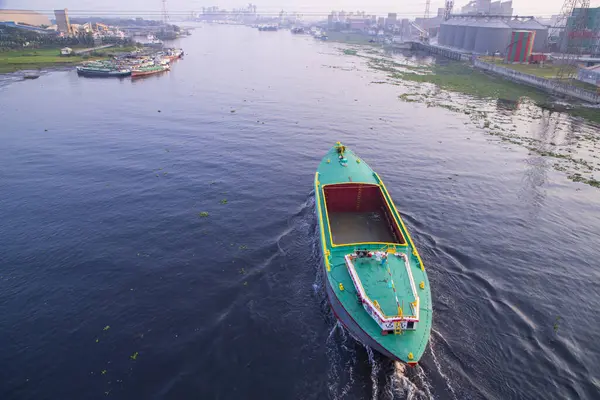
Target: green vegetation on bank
<point>578,161</point>
<point>16,60</point>
<point>547,71</point>
<point>463,78</point>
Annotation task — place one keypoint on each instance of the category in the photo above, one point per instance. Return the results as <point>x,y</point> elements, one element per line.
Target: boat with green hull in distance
<point>149,70</point>
<point>102,71</point>
<point>376,281</point>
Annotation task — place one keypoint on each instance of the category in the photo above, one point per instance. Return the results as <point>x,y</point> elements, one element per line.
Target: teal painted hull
<point>386,305</point>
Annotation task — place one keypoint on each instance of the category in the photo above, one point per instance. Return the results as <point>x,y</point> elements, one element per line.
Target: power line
<point>159,13</point>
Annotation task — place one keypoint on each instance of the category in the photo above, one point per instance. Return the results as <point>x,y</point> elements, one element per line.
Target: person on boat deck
<point>383,259</point>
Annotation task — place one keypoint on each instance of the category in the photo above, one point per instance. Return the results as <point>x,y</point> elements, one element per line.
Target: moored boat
<point>151,70</point>
<point>369,256</point>
<point>102,71</point>
<point>268,27</point>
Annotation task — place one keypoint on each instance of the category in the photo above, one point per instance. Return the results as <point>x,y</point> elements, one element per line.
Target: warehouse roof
<point>24,17</point>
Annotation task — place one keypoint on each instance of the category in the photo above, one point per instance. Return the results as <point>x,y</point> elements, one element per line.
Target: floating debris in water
<point>107,327</point>
<point>556,324</point>
<point>242,271</point>
<point>203,214</point>
<point>232,111</point>
<point>134,356</point>
<point>246,283</point>
<point>97,340</point>
<point>224,201</point>
<point>103,372</point>
<point>243,247</point>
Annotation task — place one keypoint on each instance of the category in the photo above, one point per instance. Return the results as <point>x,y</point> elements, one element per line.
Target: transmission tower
<point>426,16</point>
<point>165,13</point>
<point>571,41</point>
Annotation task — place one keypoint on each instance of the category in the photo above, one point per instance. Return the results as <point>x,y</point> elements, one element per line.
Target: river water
<point>112,284</point>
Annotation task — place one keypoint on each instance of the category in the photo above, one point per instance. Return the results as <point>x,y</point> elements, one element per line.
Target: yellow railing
<point>415,251</point>
<point>326,252</point>
<point>354,244</point>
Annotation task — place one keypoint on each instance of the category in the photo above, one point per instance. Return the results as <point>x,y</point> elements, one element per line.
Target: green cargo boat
<point>376,281</point>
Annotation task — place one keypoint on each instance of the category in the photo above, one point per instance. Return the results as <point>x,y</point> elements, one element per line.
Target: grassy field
<point>543,71</point>
<point>547,71</point>
<point>16,60</point>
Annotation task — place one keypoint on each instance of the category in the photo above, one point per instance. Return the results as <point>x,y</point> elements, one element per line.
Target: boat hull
<point>382,296</point>
<point>139,74</point>
<point>346,319</point>
<point>98,74</point>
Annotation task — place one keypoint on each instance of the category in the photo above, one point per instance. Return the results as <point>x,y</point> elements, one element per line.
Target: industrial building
<point>24,17</point>
<point>479,7</point>
<point>391,20</point>
<point>62,21</point>
<point>582,32</point>
<point>488,34</point>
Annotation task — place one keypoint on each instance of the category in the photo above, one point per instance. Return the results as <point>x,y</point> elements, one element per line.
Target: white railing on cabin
<point>365,299</point>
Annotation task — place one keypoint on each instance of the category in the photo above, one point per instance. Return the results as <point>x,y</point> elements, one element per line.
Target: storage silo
<point>470,35</point>
<point>450,31</point>
<point>493,35</point>
<point>459,37</point>
<point>443,34</point>
<point>541,32</point>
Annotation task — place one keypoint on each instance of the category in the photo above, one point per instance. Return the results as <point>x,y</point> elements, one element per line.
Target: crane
<point>448,9</point>
<point>425,34</point>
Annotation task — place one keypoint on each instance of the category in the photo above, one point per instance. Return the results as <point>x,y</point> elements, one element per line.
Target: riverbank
<point>489,100</point>
<point>547,71</point>
<point>461,77</point>
<point>17,60</point>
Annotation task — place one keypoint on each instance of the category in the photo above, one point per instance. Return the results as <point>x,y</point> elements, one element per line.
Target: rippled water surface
<point>112,284</point>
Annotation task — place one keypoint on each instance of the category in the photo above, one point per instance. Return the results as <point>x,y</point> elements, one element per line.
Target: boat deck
<point>360,227</point>
<point>377,284</point>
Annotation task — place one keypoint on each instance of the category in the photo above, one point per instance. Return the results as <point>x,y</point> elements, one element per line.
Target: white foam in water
<point>402,386</point>
<point>335,352</point>
<point>438,365</point>
<point>374,371</point>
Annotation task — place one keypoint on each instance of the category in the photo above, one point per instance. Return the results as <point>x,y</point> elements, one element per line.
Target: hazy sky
<point>151,7</point>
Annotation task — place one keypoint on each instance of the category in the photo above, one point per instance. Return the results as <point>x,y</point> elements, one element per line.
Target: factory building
<point>486,34</point>
<point>24,17</point>
<point>62,21</point>
<point>480,7</point>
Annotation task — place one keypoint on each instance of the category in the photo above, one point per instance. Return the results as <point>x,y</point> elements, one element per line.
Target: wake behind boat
<point>376,281</point>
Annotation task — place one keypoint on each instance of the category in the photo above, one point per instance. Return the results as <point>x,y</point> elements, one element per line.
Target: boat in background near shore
<point>298,30</point>
<point>102,72</point>
<point>150,70</point>
<point>376,282</point>
<point>136,64</point>
<point>31,75</point>
<point>268,27</point>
